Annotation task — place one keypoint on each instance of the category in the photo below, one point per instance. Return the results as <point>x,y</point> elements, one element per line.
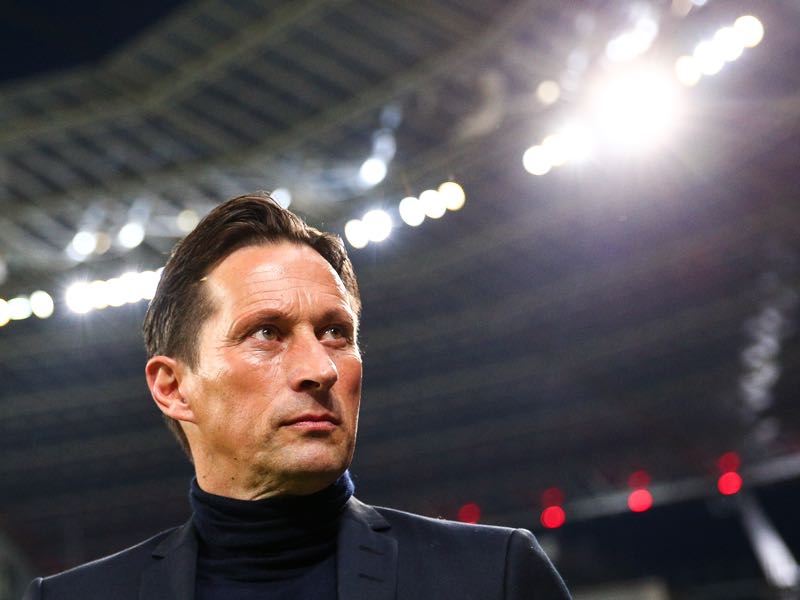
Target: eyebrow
<point>272,315</point>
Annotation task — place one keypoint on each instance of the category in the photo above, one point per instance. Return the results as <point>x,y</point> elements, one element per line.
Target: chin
<point>315,473</point>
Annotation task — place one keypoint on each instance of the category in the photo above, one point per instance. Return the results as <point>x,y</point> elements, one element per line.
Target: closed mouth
<point>313,418</point>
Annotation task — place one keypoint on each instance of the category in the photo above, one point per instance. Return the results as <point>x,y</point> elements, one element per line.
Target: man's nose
<point>310,366</point>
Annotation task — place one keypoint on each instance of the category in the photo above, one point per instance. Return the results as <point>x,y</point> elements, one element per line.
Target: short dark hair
<point>181,303</point>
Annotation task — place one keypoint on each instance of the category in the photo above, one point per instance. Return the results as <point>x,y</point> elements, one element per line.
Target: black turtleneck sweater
<point>279,548</point>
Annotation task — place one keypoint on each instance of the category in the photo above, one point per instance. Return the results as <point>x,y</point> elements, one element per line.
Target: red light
<point>469,513</point>
<point>553,517</point>
<point>552,497</point>
<point>638,479</point>
<point>728,462</point>
<point>729,483</point>
<point>640,500</point>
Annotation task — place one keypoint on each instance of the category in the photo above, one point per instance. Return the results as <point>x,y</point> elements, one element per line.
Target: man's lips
<point>313,420</point>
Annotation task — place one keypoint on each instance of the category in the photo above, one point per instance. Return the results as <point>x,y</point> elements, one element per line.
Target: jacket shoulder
<point>409,523</point>
<point>477,561</point>
<point>108,577</point>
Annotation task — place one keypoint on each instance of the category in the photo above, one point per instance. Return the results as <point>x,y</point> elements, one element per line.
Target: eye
<point>267,333</point>
<point>335,332</point>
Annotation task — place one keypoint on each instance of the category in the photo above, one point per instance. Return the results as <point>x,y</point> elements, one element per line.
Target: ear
<point>164,375</point>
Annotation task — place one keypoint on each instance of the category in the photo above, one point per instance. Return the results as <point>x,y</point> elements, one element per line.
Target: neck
<point>260,486</point>
<point>271,539</point>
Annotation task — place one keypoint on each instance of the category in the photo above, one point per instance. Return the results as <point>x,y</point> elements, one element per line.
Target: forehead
<point>257,273</point>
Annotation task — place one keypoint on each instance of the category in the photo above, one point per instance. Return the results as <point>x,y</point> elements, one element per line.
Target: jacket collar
<point>366,555</point>
<point>366,559</point>
<point>173,573</point>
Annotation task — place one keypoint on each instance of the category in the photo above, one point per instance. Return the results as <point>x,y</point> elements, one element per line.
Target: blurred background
<point>575,226</point>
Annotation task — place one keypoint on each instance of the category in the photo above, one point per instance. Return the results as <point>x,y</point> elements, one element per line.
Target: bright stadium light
<point>555,148</point>
<point>116,292</point>
<point>576,141</point>
<point>19,308</point>
<point>5,312</point>
<point>102,242</point>
<point>373,171</point>
<point>433,203</point>
<point>536,161</point>
<point>131,235</point>
<point>729,44</point>
<point>131,286</point>
<point>98,294</point>
<point>84,243</point>
<point>148,283</point>
<point>709,58</point>
<point>453,195</point>
<point>636,109</point>
<point>79,297</point>
<point>411,211</point>
<point>627,46</point>
<point>687,70</point>
<point>282,196</point>
<point>128,288</point>
<point>378,224</point>
<point>187,220</point>
<point>356,233</point>
<point>42,304</point>
<point>548,92</point>
<point>750,30</point>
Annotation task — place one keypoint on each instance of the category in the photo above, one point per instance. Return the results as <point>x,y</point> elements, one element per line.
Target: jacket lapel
<point>366,560</point>
<point>173,574</point>
<point>366,555</point>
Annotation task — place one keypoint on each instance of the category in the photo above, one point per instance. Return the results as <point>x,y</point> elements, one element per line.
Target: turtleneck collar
<point>270,539</point>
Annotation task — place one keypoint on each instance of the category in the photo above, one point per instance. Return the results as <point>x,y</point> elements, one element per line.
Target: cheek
<point>350,381</point>
<point>234,392</point>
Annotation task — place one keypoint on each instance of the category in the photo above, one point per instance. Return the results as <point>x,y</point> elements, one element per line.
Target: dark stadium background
<point>563,331</point>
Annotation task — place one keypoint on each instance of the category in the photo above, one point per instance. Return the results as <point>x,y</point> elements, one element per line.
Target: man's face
<point>276,390</point>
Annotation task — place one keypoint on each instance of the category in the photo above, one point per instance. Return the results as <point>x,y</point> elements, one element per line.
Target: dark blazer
<point>382,554</point>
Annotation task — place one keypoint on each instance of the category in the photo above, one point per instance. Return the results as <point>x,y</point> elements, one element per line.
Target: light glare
<point>577,142</point>
<point>187,220</point>
<point>536,161</point>
<point>131,285</point>
<point>131,235</point>
<point>636,109</point>
<point>356,233</point>
<point>433,203</point>
<point>373,171</point>
<point>627,46</point>
<point>42,304</point>
<point>5,312</point>
<point>148,284</point>
<point>378,224</point>
<point>709,58</point>
<point>556,149</point>
<point>548,92</point>
<point>687,70</point>
<point>19,308</point>
<point>79,297</point>
<point>102,242</point>
<point>84,243</point>
<point>750,30</point>
<point>116,293</point>
<point>128,288</point>
<point>411,211</point>
<point>453,195</point>
<point>729,44</point>
<point>282,196</point>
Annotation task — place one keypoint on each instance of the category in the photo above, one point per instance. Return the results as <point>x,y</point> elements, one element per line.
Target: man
<point>254,362</point>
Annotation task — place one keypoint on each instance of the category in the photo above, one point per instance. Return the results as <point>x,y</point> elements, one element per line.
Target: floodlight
<point>411,211</point>
<point>356,233</point>
<point>378,225</point>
